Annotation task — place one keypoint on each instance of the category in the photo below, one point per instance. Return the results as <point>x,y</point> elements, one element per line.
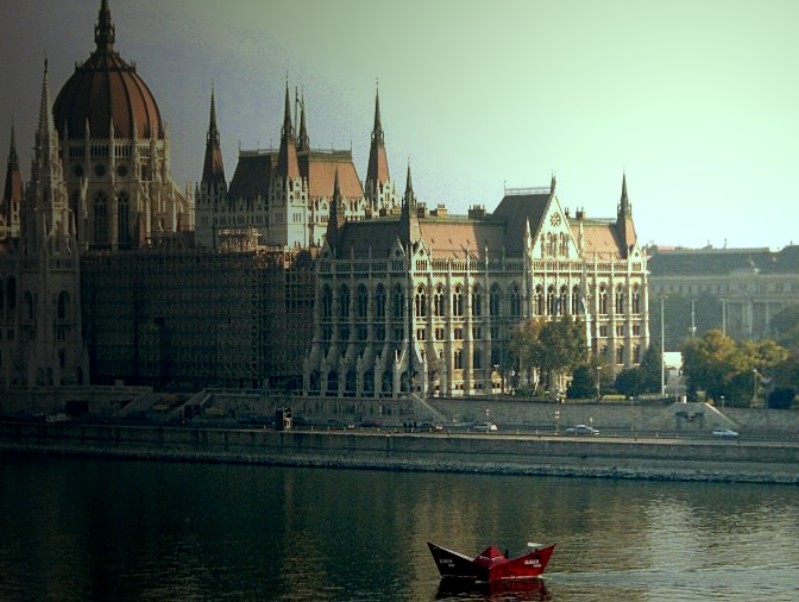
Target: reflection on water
<point>98,530</point>
<point>524,591</point>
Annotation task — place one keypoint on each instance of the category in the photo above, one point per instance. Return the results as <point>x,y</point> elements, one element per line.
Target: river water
<point>73,529</point>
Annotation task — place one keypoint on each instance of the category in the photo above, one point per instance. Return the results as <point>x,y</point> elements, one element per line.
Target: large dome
<point>106,89</point>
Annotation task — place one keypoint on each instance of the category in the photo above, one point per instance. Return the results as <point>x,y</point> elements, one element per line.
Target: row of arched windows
<point>8,300</point>
<point>553,302</point>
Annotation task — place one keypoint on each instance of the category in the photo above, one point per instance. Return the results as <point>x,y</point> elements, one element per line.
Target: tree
<point>651,370</point>
<point>551,347</point>
<point>628,382</point>
<point>582,385</point>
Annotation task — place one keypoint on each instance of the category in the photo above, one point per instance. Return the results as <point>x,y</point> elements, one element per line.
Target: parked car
<point>370,424</point>
<point>581,429</point>
<point>431,427</point>
<point>725,433</point>
<point>485,427</point>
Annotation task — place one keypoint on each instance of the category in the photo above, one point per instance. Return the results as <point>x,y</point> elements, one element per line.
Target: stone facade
<point>425,303</point>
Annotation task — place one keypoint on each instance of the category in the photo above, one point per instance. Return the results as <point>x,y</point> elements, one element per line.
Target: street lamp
<point>754,385</point>
<point>598,383</point>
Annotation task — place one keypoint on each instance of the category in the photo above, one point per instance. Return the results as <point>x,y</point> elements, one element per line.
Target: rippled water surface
<point>114,530</point>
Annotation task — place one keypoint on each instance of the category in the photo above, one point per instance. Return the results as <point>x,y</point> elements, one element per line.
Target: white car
<point>581,429</point>
<point>725,434</point>
<point>485,427</point>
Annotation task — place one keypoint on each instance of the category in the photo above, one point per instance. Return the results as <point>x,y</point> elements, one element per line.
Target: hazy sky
<point>698,102</point>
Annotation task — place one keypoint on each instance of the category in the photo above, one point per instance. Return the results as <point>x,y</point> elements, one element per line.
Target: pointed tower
<point>212,190</point>
<point>624,220</point>
<point>213,182</point>
<point>12,194</point>
<point>410,231</point>
<point>50,317</point>
<point>287,164</point>
<point>336,220</point>
<point>303,142</point>
<point>379,191</point>
<point>288,193</point>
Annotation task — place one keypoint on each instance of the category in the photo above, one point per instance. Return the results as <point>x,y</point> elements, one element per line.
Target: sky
<point>696,102</point>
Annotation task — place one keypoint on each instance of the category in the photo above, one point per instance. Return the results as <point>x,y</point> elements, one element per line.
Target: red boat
<point>492,565</point>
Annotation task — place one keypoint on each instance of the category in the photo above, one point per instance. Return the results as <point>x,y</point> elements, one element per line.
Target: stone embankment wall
<point>730,461</point>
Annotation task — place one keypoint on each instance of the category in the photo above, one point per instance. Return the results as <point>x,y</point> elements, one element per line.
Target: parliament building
<point>295,274</point>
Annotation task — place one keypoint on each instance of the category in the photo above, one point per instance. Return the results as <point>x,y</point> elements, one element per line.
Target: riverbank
<point>661,459</point>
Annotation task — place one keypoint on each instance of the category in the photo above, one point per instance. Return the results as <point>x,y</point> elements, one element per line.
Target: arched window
<point>63,305</point>
<point>515,301</point>
<point>123,232</point>
<point>620,354</point>
<point>327,302</point>
<point>398,301</point>
<point>477,302</point>
<point>363,302</point>
<point>538,300</point>
<point>457,302</point>
<point>344,302</point>
<point>494,301</point>
<point>100,219</point>
<point>576,300</point>
<point>477,359</point>
<point>636,300</point>
<point>563,301</point>
<point>438,302</point>
<point>603,299</point>
<point>380,301</point>
<point>458,360</point>
<point>619,298</point>
<point>551,309</point>
<point>420,302</point>
<point>28,305</point>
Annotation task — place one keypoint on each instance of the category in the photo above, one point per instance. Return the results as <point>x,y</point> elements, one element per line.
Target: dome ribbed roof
<point>106,89</point>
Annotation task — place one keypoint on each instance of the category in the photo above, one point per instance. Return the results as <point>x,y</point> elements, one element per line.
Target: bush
<point>781,399</point>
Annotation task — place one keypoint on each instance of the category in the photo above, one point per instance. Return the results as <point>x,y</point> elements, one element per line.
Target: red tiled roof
<point>599,240</point>
<point>450,239</point>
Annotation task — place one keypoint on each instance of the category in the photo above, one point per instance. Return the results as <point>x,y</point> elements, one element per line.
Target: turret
<point>377,176</point>
<point>336,218</point>
<point>410,232</point>
<point>303,142</point>
<point>12,193</point>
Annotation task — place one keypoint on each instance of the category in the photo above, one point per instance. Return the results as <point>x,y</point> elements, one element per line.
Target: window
<point>603,299</point>
<point>458,334</point>
<point>551,307</point>
<point>380,333</point>
<point>477,302</point>
<point>344,302</point>
<point>457,302</point>
<point>637,330</point>
<point>494,300</point>
<point>100,218</point>
<point>327,303</point>
<point>420,302</point>
<point>477,359</point>
<point>515,302</point>
<point>563,301</point>
<point>458,360</point>
<point>63,305</point>
<point>619,330</point>
<point>123,225</point>
<point>398,301</point>
<point>477,333</point>
<point>603,330</point>
<point>619,300</point>
<point>439,334</point>
<point>575,300</point>
<point>620,355</point>
<point>363,301</point>
<point>438,302</point>
<point>420,334</point>
<point>636,300</point>
<point>538,300</point>
<point>380,301</point>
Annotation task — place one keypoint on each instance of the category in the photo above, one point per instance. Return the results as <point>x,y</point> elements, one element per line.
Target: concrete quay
<point>775,462</point>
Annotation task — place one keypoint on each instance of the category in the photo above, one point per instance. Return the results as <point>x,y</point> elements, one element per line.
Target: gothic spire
<point>377,170</point>
<point>336,218</point>
<point>303,142</point>
<point>12,193</point>
<point>287,164</point>
<point>409,218</point>
<point>213,167</point>
<point>624,219</point>
<point>104,31</point>
<point>46,134</point>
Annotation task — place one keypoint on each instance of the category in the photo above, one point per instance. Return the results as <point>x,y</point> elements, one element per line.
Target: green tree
<point>628,382</point>
<point>651,370</point>
<point>552,347</point>
<point>582,385</point>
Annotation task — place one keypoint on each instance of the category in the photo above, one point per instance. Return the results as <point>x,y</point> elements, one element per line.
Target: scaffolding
<point>190,318</point>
